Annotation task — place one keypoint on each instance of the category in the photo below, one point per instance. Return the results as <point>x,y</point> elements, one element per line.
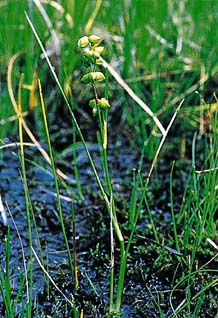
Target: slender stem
<point>74,248</point>
<point>172,209</point>
<point>122,271</point>
<point>104,154</point>
<point>112,256</point>
<point>27,198</point>
<point>55,179</point>
<point>76,170</point>
<point>95,92</point>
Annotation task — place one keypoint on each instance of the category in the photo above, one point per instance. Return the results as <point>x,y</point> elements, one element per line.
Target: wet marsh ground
<point>152,268</point>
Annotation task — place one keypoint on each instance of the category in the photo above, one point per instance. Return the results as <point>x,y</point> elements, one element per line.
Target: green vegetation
<point>110,75</point>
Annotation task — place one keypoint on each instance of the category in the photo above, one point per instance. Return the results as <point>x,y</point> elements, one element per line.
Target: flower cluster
<point>91,51</point>
<point>90,48</point>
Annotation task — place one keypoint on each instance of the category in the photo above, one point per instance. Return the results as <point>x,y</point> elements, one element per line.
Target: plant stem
<point>55,179</point>
<point>122,271</point>
<point>112,257</point>
<point>172,209</point>
<point>28,201</point>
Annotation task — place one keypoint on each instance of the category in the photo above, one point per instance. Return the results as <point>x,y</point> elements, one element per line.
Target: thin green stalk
<point>76,170</point>
<point>157,302</point>
<point>55,179</point>
<point>104,150</point>
<point>103,120</point>
<point>133,199</point>
<point>7,273</point>
<point>74,247</point>
<point>172,209</point>
<point>193,160</point>
<point>5,285</point>
<point>151,220</point>
<point>112,257</point>
<point>23,278</point>
<point>28,201</point>
<point>121,277</point>
<point>183,304</point>
<point>123,255</point>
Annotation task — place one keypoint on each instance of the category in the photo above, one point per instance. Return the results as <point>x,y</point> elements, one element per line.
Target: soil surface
<point>151,268</point>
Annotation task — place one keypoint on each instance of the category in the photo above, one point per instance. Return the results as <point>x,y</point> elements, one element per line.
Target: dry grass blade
<point>55,40</point>
<point>50,278</point>
<point>22,251</point>
<point>162,142</point>
<point>3,212</point>
<point>25,126</point>
<point>135,97</point>
<point>93,16</point>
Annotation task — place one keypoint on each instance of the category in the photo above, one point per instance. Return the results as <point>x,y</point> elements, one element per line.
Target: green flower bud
<point>92,77</point>
<point>83,42</point>
<point>103,103</point>
<point>94,39</point>
<point>92,103</point>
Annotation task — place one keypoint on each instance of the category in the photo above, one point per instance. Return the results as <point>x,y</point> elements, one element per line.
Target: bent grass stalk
<point>172,210</point>
<point>23,254</point>
<point>25,126</point>
<point>51,279</point>
<point>29,208</point>
<point>56,182</point>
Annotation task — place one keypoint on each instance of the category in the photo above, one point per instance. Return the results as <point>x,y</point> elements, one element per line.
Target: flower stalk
<point>91,51</point>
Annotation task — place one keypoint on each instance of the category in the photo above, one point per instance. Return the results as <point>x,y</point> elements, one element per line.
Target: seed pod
<point>86,79</point>
<point>98,76</point>
<point>99,49</point>
<point>83,42</point>
<point>99,61</point>
<point>92,77</point>
<point>92,103</point>
<point>94,39</point>
<point>103,103</point>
